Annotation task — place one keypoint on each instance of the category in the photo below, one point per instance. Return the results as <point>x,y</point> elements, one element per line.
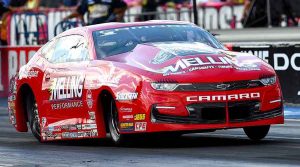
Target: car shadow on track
<point>162,141</point>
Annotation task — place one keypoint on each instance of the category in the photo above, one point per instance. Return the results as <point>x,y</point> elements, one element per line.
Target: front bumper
<point>182,111</point>
<point>216,113</point>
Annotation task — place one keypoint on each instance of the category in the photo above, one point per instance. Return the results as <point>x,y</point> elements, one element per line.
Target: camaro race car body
<point>126,78</point>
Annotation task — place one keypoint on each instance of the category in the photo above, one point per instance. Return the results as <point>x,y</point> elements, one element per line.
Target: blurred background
<point>34,22</point>
<point>268,29</point>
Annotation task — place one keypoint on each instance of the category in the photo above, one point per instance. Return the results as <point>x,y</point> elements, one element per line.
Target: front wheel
<point>114,124</point>
<point>257,132</point>
<point>33,117</point>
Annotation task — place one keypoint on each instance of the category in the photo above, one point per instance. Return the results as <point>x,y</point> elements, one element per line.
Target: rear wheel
<point>257,132</point>
<point>33,116</point>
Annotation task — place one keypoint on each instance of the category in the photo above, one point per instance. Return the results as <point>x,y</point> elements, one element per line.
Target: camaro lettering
<point>67,88</point>
<point>198,61</point>
<point>230,97</point>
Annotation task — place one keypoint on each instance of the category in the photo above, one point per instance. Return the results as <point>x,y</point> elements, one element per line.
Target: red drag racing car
<point>129,78</point>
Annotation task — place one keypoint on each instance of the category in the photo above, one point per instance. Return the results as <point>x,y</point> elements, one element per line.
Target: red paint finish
<point>68,94</point>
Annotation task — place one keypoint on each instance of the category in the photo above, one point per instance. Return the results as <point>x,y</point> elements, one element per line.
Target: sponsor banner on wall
<point>11,59</point>
<point>286,62</point>
<point>35,28</point>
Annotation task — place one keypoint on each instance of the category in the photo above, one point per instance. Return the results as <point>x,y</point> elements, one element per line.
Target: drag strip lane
<point>220,148</point>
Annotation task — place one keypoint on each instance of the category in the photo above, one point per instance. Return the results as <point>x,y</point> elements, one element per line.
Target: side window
<point>79,51</point>
<point>71,48</point>
<point>48,49</point>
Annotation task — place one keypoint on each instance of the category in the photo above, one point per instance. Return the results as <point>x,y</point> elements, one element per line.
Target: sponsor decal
<point>44,122</point>
<point>139,117</point>
<point>208,62</point>
<point>126,96</point>
<point>25,73</point>
<point>92,115</point>
<point>70,135</point>
<point>74,135</point>
<point>123,109</point>
<point>81,134</point>
<point>45,129</point>
<point>65,127</point>
<point>89,98</point>
<point>79,126</point>
<point>212,98</point>
<point>87,134</point>
<point>66,135</point>
<point>140,126</point>
<point>67,88</point>
<point>54,128</point>
<point>72,127</point>
<point>127,126</point>
<point>94,133</point>
<point>183,64</point>
<point>48,135</point>
<point>32,74</point>
<point>90,121</point>
<point>66,105</point>
<point>127,116</point>
<point>89,126</point>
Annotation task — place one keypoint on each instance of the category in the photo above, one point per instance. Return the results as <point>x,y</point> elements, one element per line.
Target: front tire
<point>257,133</point>
<point>33,117</point>
<point>114,124</point>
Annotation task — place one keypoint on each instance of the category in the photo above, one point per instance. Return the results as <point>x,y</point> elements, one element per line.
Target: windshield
<point>121,40</point>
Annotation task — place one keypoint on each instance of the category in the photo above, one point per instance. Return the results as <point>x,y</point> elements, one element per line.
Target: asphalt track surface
<point>222,148</point>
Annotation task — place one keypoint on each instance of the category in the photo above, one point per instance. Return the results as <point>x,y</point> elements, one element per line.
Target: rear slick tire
<point>257,133</point>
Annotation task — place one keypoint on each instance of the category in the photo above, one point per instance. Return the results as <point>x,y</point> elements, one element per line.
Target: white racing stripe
<point>5,165</point>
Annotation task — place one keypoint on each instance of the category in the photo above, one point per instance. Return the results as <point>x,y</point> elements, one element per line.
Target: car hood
<point>194,61</point>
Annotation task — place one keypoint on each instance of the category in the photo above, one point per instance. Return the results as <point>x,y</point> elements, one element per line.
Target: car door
<point>63,85</point>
